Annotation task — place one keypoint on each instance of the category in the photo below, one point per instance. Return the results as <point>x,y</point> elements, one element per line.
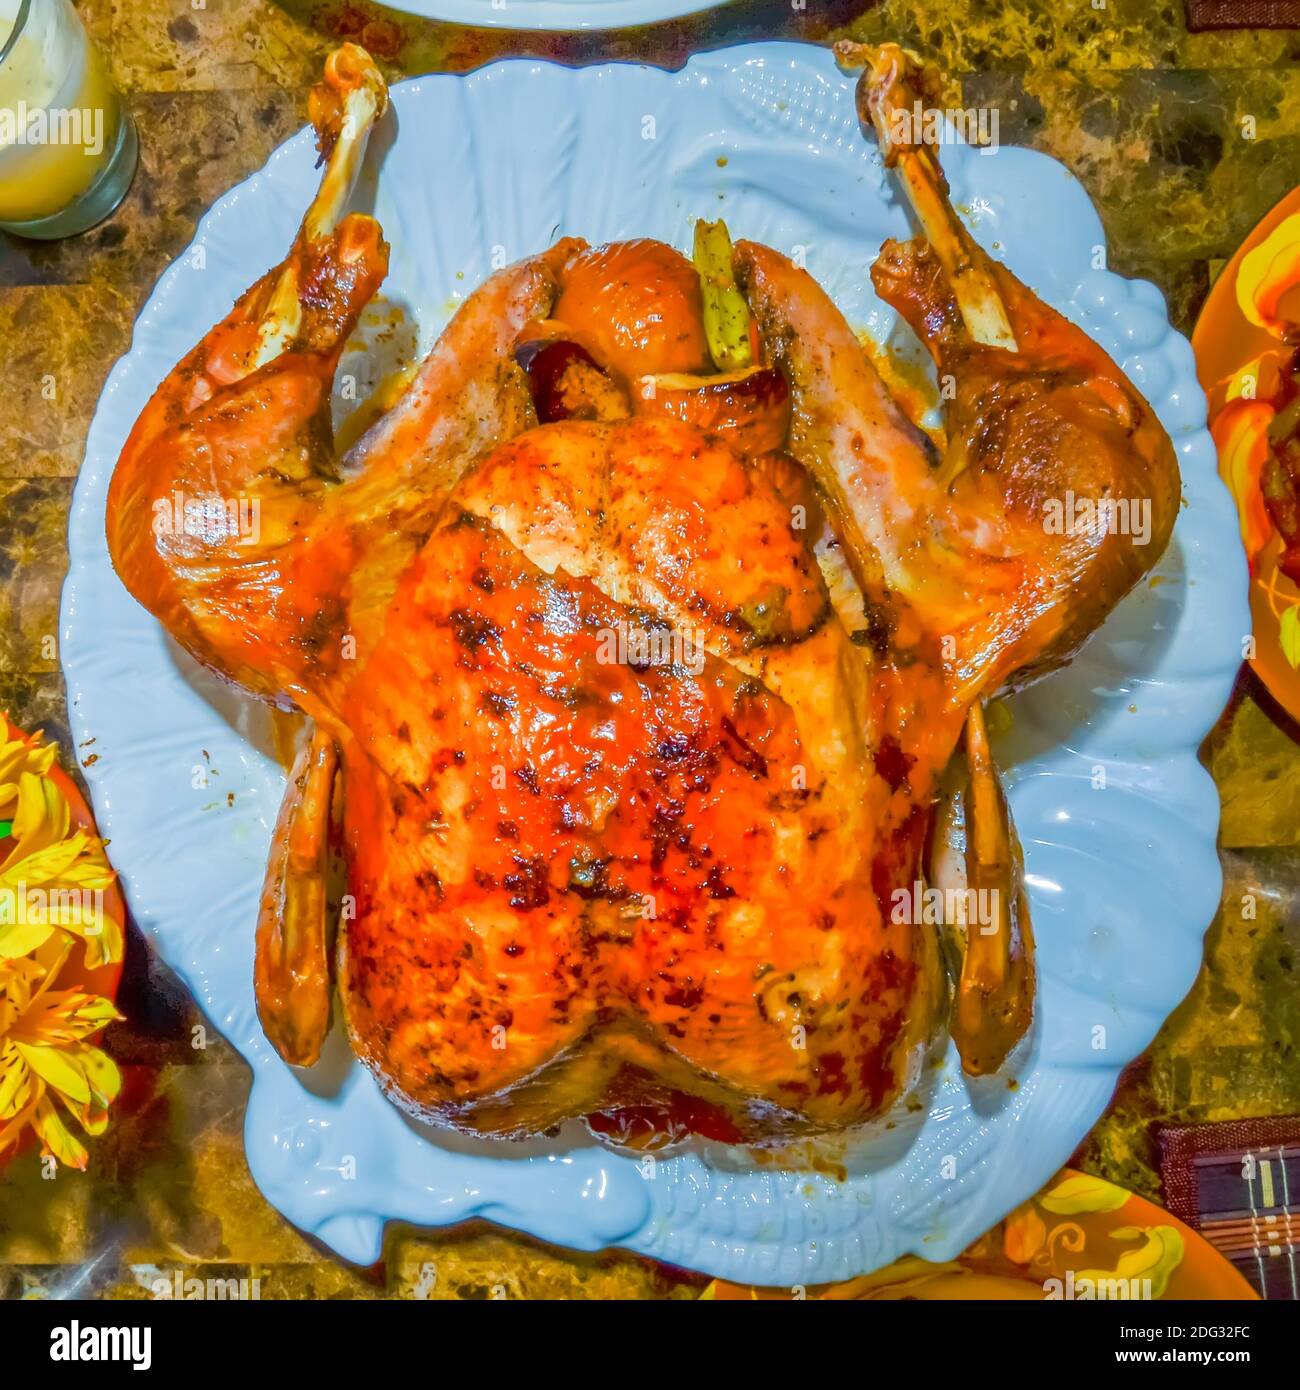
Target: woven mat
<point>1238,1183</point>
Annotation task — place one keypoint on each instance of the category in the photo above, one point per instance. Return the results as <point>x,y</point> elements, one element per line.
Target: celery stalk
<point>726,315</point>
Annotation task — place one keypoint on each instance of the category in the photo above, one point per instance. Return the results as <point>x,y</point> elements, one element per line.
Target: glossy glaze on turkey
<point>641,639</point>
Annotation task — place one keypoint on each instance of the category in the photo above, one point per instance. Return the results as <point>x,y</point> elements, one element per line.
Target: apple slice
<point>749,410</point>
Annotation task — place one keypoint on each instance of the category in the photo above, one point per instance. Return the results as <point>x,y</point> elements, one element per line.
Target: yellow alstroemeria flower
<point>52,877</point>
<point>44,1055</point>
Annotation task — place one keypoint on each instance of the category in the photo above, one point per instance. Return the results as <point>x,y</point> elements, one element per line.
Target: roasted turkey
<point>643,642</point>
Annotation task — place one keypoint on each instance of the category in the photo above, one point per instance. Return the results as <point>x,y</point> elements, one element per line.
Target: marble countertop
<point>1183,141</point>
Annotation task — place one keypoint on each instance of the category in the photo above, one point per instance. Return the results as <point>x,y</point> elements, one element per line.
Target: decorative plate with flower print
<point>1081,1238</point>
<point>1247,345</point>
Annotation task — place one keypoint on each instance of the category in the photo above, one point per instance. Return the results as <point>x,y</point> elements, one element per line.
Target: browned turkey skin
<point>634,663</point>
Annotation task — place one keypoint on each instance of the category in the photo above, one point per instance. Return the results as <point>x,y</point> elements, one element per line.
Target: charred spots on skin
<point>589,879</point>
<point>891,974</point>
<point>593,939</point>
<point>673,748</point>
<point>795,1093</point>
<point>892,763</point>
<point>878,635</point>
<point>695,859</point>
<point>683,761</point>
<point>712,940</point>
<point>716,885</point>
<point>448,758</point>
<point>876,1072</point>
<point>686,995</point>
<point>497,705</point>
<point>760,990</point>
<point>832,1075</point>
<point>663,830</point>
<point>644,658</point>
<point>741,750</point>
<point>473,630</point>
<point>427,881</point>
<point>898,857</point>
<point>465,520</point>
<point>702,607</point>
<point>676,917</point>
<point>888,976</point>
<point>793,800</point>
<point>319,631</point>
<point>529,885</point>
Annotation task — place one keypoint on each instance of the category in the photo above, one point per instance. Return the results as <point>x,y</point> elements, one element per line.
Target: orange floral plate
<point>1248,328</point>
<point>1080,1238</point>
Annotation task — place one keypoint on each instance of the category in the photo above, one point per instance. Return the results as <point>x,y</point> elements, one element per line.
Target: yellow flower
<point>1156,1259</point>
<point>53,884</point>
<point>44,1055</point>
<point>1081,1192</point>
<point>52,877</point>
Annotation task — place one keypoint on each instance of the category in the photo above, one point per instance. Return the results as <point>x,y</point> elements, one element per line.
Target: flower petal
<point>55,1136</point>
<point>56,1068</point>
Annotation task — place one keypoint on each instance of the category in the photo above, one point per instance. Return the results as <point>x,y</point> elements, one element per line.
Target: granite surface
<point>1183,141</point>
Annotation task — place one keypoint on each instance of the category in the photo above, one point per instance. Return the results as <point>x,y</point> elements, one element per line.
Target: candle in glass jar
<point>61,120</point>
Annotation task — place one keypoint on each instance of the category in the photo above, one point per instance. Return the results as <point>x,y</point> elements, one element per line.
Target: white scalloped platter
<point>554,14</point>
<point>1123,880</point>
